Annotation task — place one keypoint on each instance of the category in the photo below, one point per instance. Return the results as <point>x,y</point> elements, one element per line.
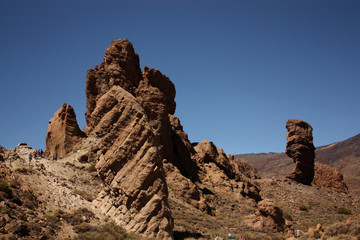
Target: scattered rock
<point>301,149</point>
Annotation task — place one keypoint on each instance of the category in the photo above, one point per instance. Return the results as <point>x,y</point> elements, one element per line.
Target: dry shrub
<point>109,231</point>
<point>350,230</point>
<point>84,195</point>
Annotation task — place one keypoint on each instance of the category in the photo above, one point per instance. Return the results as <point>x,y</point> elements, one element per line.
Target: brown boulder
<point>63,133</point>
<point>329,178</point>
<point>269,218</point>
<point>301,149</point>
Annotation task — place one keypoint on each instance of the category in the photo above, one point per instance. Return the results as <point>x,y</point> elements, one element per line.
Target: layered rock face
<point>122,116</point>
<point>142,151</point>
<point>63,133</point>
<point>301,149</point>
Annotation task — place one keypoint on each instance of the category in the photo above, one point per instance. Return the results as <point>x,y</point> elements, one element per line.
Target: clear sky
<point>241,68</point>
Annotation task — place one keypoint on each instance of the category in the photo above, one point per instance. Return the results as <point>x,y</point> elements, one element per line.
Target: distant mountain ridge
<point>344,156</point>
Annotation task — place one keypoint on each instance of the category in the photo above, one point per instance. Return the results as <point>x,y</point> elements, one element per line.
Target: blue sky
<point>240,68</point>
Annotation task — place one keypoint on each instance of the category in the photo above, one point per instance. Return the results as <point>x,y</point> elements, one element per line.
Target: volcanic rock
<point>2,153</point>
<point>329,178</point>
<point>63,133</point>
<point>223,174</point>
<point>268,218</point>
<point>142,152</point>
<point>301,149</point>
<point>120,68</point>
<point>124,113</point>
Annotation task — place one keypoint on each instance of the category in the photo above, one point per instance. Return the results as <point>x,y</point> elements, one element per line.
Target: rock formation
<point>301,149</point>
<point>329,178</point>
<point>141,150</point>
<point>268,218</point>
<point>222,174</point>
<point>63,133</point>
<point>2,153</point>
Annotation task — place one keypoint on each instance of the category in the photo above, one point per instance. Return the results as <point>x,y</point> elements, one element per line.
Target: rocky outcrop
<point>301,149</point>
<point>2,153</point>
<point>329,178</point>
<point>125,121</point>
<point>120,68</point>
<point>222,174</point>
<point>269,218</point>
<point>141,150</point>
<point>63,133</point>
<point>245,167</point>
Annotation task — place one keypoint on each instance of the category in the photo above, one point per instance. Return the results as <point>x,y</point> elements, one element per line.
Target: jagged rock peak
<point>127,116</point>
<point>63,133</point>
<point>120,68</point>
<point>301,149</point>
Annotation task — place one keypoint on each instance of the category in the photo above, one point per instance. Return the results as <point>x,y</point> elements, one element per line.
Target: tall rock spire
<point>301,149</point>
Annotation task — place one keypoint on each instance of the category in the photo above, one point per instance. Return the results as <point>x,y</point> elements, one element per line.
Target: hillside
<point>344,156</point>
<point>55,200</point>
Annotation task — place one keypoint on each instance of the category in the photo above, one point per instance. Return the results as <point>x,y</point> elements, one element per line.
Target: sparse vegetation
<point>24,170</point>
<point>5,191</point>
<point>343,210</point>
<point>287,216</point>
<point>303,207</point>
<point>91,168</point>
<point>84,195</point>
<point>350,230</point>
<point>69,164</point>
<point>107,231</point>
<point>272,183</point>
